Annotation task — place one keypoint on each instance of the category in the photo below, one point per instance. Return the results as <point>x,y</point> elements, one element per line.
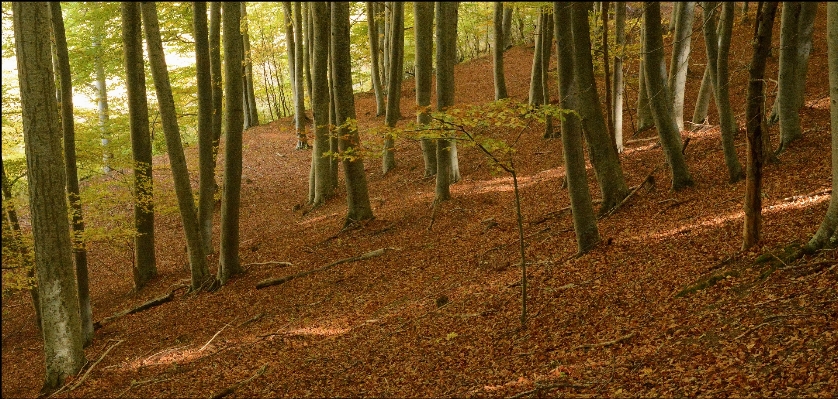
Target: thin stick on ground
<point>631,193</point>
<point>226,391</point>
<point>276,281</point>
<point>279,263</point>
<point>87,373</point>
<point>213,337</point>
<point>144,306</point>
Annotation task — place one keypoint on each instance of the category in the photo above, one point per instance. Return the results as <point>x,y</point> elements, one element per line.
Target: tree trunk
<point>357,196</point>
<point>603,152</point>
<point>497,52</point>
<point>323,186</point>
<point>145,266</point>
<point>375,74</point>
<point>68,127</point>
<point>177,159</point>
<point>717,58</point>
<point>546,49</point>
<point>206,148</point>
<point>300,117</point>
<point>394,86</point>
<point>102,105</point>
<point>659,97</point>
<point>584,221</point>
<point>62,330</point>
<point>507,26</point>
<point>308,38</point>
<point>618,84</point>
<point>609,122</point>
<point>679,62</point>
<point>644,111</point>
<point>288,17</point>
<point>423,14</point>
<point>229,263</point>
<point>252,116</point>
<point>536,96</point>
<point>827,234</point>
<point>215,77</point>
<point>446,56</point>
<point>755,118</point>
<point>796,26</point>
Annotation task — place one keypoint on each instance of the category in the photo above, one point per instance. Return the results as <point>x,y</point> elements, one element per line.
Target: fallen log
<point>279,280</point>
<point>144,306</point>
<point>631,193</point>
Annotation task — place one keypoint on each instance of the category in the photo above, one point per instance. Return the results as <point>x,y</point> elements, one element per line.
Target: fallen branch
<point>280,280</point>
<point>80,380</point>
<point>631,193</point>
<point>232,388</point>
<point>144,306</point>
<point>556,213</point>
<point>213,337</point>
<point>606,343</point>
<point>641,140</point>
<point>269,263</point>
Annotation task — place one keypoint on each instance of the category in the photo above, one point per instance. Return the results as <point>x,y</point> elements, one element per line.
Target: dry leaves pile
<point>605,324</point>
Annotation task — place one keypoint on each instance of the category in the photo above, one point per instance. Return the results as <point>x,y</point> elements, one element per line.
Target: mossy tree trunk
<point>423,14</point>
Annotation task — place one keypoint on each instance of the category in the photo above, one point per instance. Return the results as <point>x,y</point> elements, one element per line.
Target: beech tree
<point>251,115</point>
<point>61,323</point>
<point>145,266</point>
<point>755,119</point>
<point>394,84</point>
<point>448,170</point>
<point>215,77</point>
<point>584,221</point>
<point>827,234</point>
<point>177,159</point>
<point>645,120</point>
<point>679,62</point>
<point>423,23</point>
<point>497,52</point>
<point>229,264</point>
<point>357,196</point>
<point>320,177</point>
<point>375,74</point>
<point>300,117</point>
<point>617,81</point>
<point>206,147</point>
<point>65,99</point>
<point>655,75</point>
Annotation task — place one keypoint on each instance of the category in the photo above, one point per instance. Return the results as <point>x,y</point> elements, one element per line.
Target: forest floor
<point>437,315</point>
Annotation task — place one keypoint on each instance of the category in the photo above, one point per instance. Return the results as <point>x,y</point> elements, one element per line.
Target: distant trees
<point>372,32</point>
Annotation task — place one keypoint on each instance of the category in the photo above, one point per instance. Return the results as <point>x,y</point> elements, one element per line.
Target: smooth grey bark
<point>702,101</point>
<point>582,209</point>
<point>796,27</point>
<point>145,266</point>
<point>385,12</point>
<point>215,78</point>
<point>300,117</point>
<point>308,38</point>
<point>536,95</point>
<point>334,142</point>
<point>676,5</point>
<point>206,148</point>
<point>507,26</point>
<point>229,262</point>
<point>447,171</point>
<point>321,173</point>
<point>679,63</point>
<point>645,120</point>
<point>288,18</point>
<point>497,52</point>
<point>357,195</point>
<point>382,34</point>
<point>394,85</point>
<point>546,49</point>
<point>177,159</point>
<point>61,323</point>
<point>423,14</point>
<point>827,234</point>
<point>102,105</point>
<point>375,74</point>
<point>252,115</point>
<point>68,127</point>
<point>717,63</point>
<point>655,74</point>
<point>618,84</point>
<point>755,120</point>
<point>603,152</point>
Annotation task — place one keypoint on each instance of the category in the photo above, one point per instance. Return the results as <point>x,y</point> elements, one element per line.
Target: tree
<point>357,196</point>
<point>604,158</point>
<point>229,264</point>
<point>618,84</point>
<point>145,267</point>
<point>61,323</point>
<point>448,170</point>
<point>645,120</point>
<point>300,117</point>
<point>584,221</point>
<point>679,62</point>
<point>215,77</point>
<point>423,14</point>
<point>796,26</point>
<point>206,147</point>
<point>394,85</point>
<point>68,127</point>
<point>507,27</point>
<point>251,116</point>
<point>827,234</point>
<point>102,102</point>
<point>655,75</point>
<point>497,52</point>
<point>717,58</point>
<point>320,163</point>
<point>180,174</point>
<point>755,120</point>
<point>375,74</point>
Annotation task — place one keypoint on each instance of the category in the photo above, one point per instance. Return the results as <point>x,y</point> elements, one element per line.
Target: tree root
<point>276,281</point>
<point>232,388</point>
<point>144,306</point>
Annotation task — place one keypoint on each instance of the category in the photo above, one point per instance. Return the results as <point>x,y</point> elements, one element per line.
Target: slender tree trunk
<point>394,86</point>
<point>250,92</point>
<point>300,117</point>
<point>584,221</point>
<point>536,96</point>
<point>659,97</point>
<point>308,38</point>
<point>288,17</point>
<point>68,127</point>
<point>796,27</point>
<point>423,14</point>
<point>546,49</point>
<point>62,329</point>
<point>755,118</point>
<point>507,27</point>
<point>497,52</point>
<point>446,56</point>
<point>206,148</point>
<point>215,78</point>
<point>102,105</point>
<point>619,85</point>
<point>386,7</point>
<point>357,195</point>
<point>645,120</point>
<point>603,152</point>
<point>375,74</point>
<point>177,159</point>
<point>229,263</point>
<point>609,121</point>
<point>145,267</point>
<point>323,187</point>
<point>827,234</point>
<point>679,62</point>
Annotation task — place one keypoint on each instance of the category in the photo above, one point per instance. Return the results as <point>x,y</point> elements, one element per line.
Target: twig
<point>144,306</point>
<point>606,343</point>
<point>280,280</point>
<point>136,384</point>
<point>433,215</point>
<point>83,377</point>
<point>269,263</point>
<point>226,391</point>
<point>213,337</point>
<point>630,194</point>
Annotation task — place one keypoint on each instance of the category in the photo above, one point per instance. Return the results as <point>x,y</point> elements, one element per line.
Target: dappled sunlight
<point>504,183</point>
<point>628,150</point>
<point>318,331</point>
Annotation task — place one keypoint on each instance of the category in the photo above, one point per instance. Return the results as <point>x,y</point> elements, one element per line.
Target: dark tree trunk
<point>497,52</point>
<point>644,111</point>
<point>206,147</point>
<point>447,170</point>
<point>507,26</point>
<point>252,117</point>
<point>375,74</point>
<point>423,14</point>
<point>300,117</point>
<point>394,86</point>
<point>322,184</point>
<point>215,78</point>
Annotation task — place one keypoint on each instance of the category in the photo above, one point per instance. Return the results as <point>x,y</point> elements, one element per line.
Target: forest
<point>419,199</point>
